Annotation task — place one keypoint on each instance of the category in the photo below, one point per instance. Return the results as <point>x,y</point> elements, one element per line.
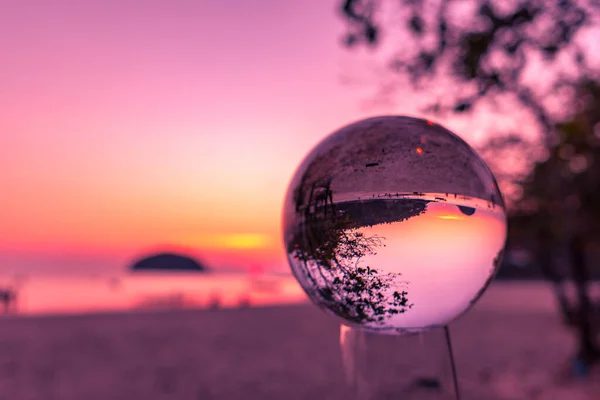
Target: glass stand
<point>416,366</point>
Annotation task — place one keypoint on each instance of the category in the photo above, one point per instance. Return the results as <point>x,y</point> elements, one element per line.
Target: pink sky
<point>445,255</point>
<point>127,126</point>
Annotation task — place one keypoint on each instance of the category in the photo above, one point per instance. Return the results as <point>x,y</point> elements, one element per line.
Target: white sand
<point>503,352</point>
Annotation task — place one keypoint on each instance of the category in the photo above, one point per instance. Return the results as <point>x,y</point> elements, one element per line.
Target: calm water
<point>81,294</point>
<point>139,291</point>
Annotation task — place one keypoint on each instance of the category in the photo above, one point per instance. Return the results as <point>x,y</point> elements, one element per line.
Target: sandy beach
<point>292,352</point>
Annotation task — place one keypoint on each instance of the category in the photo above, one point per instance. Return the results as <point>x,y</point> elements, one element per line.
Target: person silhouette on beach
<point>8,297</point>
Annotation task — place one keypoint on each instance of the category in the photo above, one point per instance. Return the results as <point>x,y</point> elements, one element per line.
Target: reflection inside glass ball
<point>394,224</point>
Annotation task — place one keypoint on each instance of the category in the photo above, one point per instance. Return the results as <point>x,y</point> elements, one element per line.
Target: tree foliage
<point>563,190</point>
<point>329,248</point>
<point>535,55</point>
<point>481,48</point>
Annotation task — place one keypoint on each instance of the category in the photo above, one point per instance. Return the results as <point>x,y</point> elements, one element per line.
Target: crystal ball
<point>394,224</point>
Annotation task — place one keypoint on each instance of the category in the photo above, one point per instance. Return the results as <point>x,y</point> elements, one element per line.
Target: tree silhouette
<point>482,48</point>
<point>328,247</point>
<point>482,51</point>
<point>533,55</point>
<point>562,197</point>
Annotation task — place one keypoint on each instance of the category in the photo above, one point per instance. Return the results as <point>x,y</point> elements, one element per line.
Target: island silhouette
<point>168,262</point>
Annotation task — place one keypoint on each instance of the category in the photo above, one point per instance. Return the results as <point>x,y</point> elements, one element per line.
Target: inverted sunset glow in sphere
<point>394,224</point>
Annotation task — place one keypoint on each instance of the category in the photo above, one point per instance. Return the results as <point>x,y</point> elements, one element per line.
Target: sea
<point>62,294</point>
<point>45,294</point>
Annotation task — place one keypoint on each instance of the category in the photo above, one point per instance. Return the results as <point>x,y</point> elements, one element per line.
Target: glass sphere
<point>394,224</point>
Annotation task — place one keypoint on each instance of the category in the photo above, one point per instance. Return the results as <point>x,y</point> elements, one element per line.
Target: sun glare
<point>450,217</point>
<point>245,241</point>
<point>228,241</point>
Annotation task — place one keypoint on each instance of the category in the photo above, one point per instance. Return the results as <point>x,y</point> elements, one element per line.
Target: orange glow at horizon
<point>125,131</point>
<point>444,257</point>
<point>450,217</point>
<point>153,137</point>
<point>233,241</point>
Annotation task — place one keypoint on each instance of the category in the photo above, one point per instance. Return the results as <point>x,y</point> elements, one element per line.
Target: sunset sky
<point>129,126</point>
<point>440,283</point>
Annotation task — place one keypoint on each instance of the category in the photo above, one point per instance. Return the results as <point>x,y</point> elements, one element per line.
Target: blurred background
<point>145,149</point>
